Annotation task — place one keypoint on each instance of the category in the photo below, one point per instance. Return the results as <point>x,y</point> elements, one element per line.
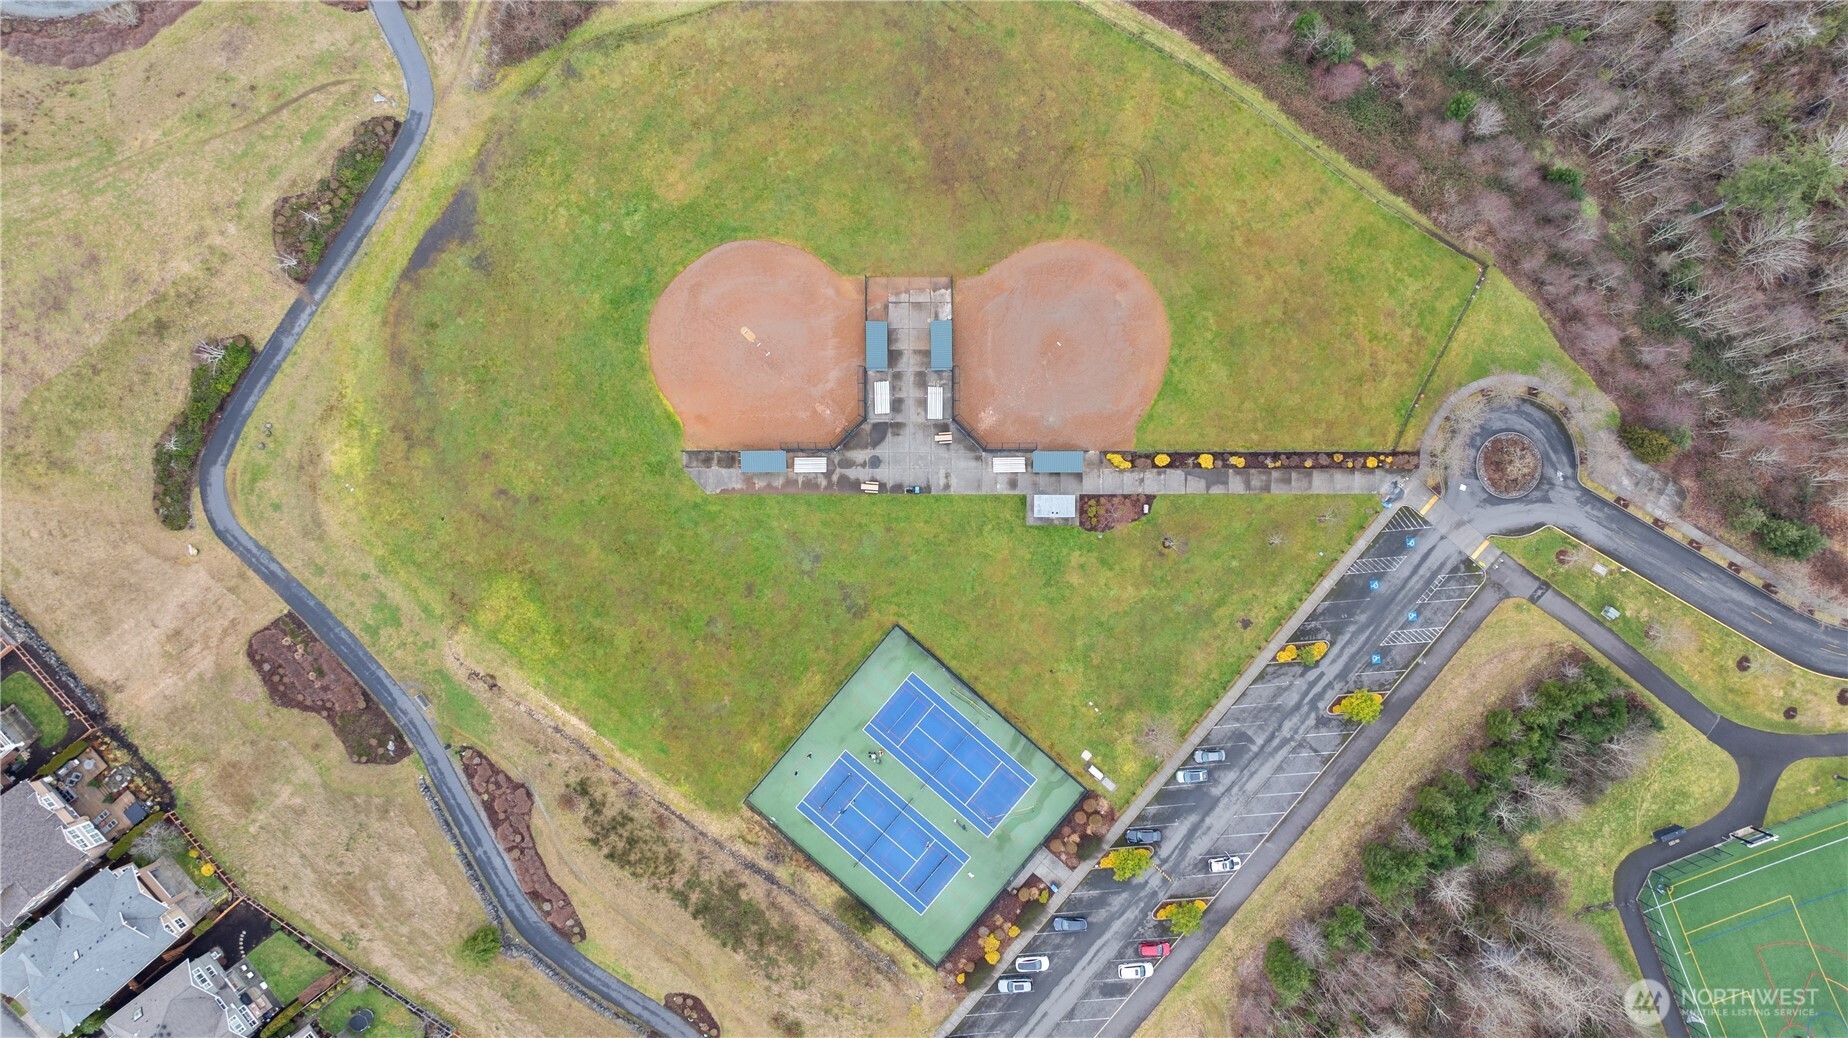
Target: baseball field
<point>472,456</point>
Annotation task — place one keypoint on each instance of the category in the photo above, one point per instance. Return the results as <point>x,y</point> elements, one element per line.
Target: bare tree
<point>1454,891</point>
<point>1306,939</point>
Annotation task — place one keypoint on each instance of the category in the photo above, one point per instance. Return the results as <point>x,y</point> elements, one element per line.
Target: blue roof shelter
<point>1058,461</point>
<point>941,357</point>
<point>877,338</point>
<point>764,461</point>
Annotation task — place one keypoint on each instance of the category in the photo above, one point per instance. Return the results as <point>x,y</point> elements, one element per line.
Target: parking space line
<point>1157,807</point>
<point>1293,774</point>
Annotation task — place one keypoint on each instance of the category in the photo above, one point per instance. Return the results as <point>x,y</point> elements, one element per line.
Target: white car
<point>1014,986</point>
<point>1032,964</point>
<point>1225,863</point>
<point>1135,970</point>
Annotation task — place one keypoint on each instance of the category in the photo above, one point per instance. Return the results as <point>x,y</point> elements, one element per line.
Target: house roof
<point>176,1006</point>
<point>65,966</point>
<point>35,858</point>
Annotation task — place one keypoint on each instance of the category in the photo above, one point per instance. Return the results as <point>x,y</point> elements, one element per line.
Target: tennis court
<point>915,795</point>
<point>935,742</point>
<point>1752,939</point>
<point>861,813</point>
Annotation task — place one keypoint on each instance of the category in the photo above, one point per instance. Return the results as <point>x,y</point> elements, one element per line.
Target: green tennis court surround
<point>1752,933</point>
<point>915,795</point>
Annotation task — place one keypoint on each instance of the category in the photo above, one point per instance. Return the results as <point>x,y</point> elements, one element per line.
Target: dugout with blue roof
<point>942,358</point>
<point>763,461</point>
<point>878,341</point>
<point>1058,461</point>
<point>916,795</point>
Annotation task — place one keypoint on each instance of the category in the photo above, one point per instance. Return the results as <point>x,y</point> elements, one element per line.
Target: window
<point>83,836</point>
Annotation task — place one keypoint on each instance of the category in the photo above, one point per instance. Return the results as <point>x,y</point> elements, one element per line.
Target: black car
<point>1142,836</point>
<point>1069,923</point>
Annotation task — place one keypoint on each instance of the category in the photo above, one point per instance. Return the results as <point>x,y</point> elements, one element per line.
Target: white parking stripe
<point>1293,774</point>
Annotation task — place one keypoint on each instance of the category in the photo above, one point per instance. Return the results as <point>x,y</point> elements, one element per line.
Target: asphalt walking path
<point>477,840</point>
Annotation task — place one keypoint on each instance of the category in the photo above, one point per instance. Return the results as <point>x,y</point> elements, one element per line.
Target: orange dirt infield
<point>1061,345</point>
<point>758,344</point>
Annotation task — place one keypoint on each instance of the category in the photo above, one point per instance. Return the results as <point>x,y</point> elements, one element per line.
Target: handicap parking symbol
<point>1373,585</point>
<point>1411,617</point>
<point>1376,659</point>
<point>1411,542</point>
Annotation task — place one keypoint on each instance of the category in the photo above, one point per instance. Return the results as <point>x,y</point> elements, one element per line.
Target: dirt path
<point>1063,344</point>
<point>758,344</point>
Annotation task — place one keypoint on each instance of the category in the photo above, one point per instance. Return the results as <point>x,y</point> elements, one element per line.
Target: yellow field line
<point>1697,967</point>
<point>1828,984</point>
<point>1426,507</point>
<point>1736,915</point>
<point>1671,594</point>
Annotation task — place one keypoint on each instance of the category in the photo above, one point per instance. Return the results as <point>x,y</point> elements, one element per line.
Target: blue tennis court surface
<point>861,813</point>
<point>949,754</point>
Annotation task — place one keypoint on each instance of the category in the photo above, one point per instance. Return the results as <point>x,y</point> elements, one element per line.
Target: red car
<point>1154,949</point>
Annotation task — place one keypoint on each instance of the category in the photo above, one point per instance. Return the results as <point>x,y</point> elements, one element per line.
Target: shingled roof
<point>88,948</point>
<point>35,858</point>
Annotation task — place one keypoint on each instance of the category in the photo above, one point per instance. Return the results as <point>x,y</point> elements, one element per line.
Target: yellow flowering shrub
<point>1287,654</point>
<point>1166,910</point>
<point>1337,455</point>
<point>960,977</point>
<point>1161,461</point>
<point>207,869</point>
<point>1316,651</point>
<point>1373,463</point>
<point>1238,461</point>
<point>1117,461</point>
<point>991,957</point>
<point>1045,896</point>
<point>1013,931</point>
<point>1206,461</point>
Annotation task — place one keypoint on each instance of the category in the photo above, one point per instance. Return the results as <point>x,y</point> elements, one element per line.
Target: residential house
<point>196,999</point>
<point>44,847</point>
<point>105,932</point>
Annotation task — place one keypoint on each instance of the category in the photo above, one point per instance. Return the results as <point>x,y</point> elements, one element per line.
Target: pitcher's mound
<point>757,345</point>
<point>1061,345</point>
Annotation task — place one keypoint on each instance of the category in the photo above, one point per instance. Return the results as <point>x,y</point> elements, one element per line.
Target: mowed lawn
<point>514,466</point>
<point>1696,650</point>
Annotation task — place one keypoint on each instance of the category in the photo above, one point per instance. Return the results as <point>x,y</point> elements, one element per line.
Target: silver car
<point>1225,863</point>
<point>1032,964</point>
<point>1190,776</point>
<point>1014,986</point>
<point>1209,755</point>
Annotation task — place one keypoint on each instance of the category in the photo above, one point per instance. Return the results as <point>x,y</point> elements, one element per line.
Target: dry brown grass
<point>1514,648</point>
<point>137,222</point>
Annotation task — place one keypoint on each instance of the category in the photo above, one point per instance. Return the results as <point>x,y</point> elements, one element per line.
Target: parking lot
<point>1279,737</point>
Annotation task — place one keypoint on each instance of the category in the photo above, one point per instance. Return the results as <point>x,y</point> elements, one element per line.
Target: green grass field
<point>482,413</point>
<point>1753,939</point>
<point>1699,652</point>
<point>390,1020</point>
<point>22,690</point>
<point>286,966</point>
<point>992,860</point>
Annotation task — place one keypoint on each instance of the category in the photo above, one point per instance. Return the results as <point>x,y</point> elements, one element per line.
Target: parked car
<point>1069,923</point>
<point>1190,776</point>
<point>1014,986</point>
<point>1225,863</point>
<point>1134,970</point>
<point>1143,836</point>
<point>1032,964</point>
<point>1154,949</point>
<point>1209,755</point>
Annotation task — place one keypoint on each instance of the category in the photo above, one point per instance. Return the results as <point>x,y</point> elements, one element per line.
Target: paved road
<point>1561,500</point>
<point>1411,594</point>
<point>445,778</point>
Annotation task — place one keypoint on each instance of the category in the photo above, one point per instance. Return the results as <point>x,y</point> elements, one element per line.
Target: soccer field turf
<point>1753,939</point>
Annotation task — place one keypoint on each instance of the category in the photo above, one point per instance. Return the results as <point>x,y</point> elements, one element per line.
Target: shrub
<point>1288,973</point>
<point>855,914</point>
<point>1393,872</point>
<point>1791,539</point>
<point>1288,654</point>
<point>1161,461</point>
<point>176,456</point>
<point>1650,446</point>
<point>1461,105</point>
<point>1117,461</point>
<point>1345,929</point>
<point>1336,47</point>
<point>65,756</point>
<point>1572,179</point>
<point>1306,25</point>
<point>480,947</point>
<point>1126,863</point>
<point>1361,706</point>
<point>1206,461</point>
<point>1186,918</point>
